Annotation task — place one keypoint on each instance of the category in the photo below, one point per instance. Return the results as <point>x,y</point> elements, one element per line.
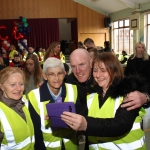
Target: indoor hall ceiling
<point>107,7</point>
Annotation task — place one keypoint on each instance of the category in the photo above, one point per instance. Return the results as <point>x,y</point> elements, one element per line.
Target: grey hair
<point>52,62</point>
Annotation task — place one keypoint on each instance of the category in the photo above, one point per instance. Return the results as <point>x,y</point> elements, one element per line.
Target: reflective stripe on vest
<point>122,142</point>
<point>52,144</point>
<point>9,135</point>
<point>110,145</point>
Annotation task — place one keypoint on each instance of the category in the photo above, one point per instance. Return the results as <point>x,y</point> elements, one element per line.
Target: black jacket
<point>138,66</point>
<point>123,120</point>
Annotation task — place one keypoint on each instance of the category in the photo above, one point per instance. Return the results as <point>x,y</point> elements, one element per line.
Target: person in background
<point>5,59</point>
<point>24,54</point>
<point>107,47</point>
<point>54,51</point>
<point>33,73</point>
<point>88,42</point>
<point>108,125</point>
<point>53,90</point>
<point>41,53</point>
<point>125,57</point>
<point>12,51</point>
<point>17,62</point>
<point>139,62</point>
<point>80,45</point>
<point>30,51</point>
<point>2,65</point>
<point>66,70</point>
<point>93,52</point>
<point>16,130</point>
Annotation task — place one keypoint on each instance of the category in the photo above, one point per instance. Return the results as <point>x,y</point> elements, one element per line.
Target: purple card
<point>56,109</point>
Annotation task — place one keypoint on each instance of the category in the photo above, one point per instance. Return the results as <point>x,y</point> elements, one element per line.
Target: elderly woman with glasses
<point>51,91</point>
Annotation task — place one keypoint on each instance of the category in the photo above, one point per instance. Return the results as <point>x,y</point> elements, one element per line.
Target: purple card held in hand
<point>56,109</point>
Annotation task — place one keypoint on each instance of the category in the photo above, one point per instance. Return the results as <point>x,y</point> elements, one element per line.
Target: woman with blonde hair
<point>16,127</point>
<point>33,73</point>
<point>54,51</point>
<point>139,62</point>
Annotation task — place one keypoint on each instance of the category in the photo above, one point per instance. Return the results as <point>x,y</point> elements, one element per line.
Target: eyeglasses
<point>53,75</point>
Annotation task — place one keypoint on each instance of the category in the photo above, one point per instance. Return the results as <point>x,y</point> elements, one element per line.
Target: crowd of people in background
<point>96,83</point>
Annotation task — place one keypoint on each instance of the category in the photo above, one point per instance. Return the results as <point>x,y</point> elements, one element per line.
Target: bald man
<point>81,64</point>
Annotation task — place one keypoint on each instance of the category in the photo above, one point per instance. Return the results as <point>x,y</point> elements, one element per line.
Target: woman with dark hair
<point>108,125</point>
<point>33,73</point>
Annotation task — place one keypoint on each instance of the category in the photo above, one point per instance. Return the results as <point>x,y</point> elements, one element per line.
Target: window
<point>148,33</point>
<point>122,36</point>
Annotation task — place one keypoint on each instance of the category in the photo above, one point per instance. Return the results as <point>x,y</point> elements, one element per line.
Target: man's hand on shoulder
<point>134,100</point>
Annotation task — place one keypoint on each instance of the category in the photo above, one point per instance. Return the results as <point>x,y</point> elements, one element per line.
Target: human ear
<point>44,76</point>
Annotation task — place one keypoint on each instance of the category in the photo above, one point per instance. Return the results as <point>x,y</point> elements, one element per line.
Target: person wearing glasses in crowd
<point>51,91</point>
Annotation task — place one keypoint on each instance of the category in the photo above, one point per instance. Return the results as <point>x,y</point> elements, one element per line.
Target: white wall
<point>64,29</point>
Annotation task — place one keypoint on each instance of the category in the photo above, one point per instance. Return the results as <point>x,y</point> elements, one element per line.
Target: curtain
<point>42,32</point>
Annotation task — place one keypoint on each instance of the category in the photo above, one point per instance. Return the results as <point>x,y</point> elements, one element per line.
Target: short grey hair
<point>52,62</point>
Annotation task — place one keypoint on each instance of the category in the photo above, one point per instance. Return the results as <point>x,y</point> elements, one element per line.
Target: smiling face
<point>81,65</point>
<point>101,75</point>
<point>13,87</point>
<point>55,77</point>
